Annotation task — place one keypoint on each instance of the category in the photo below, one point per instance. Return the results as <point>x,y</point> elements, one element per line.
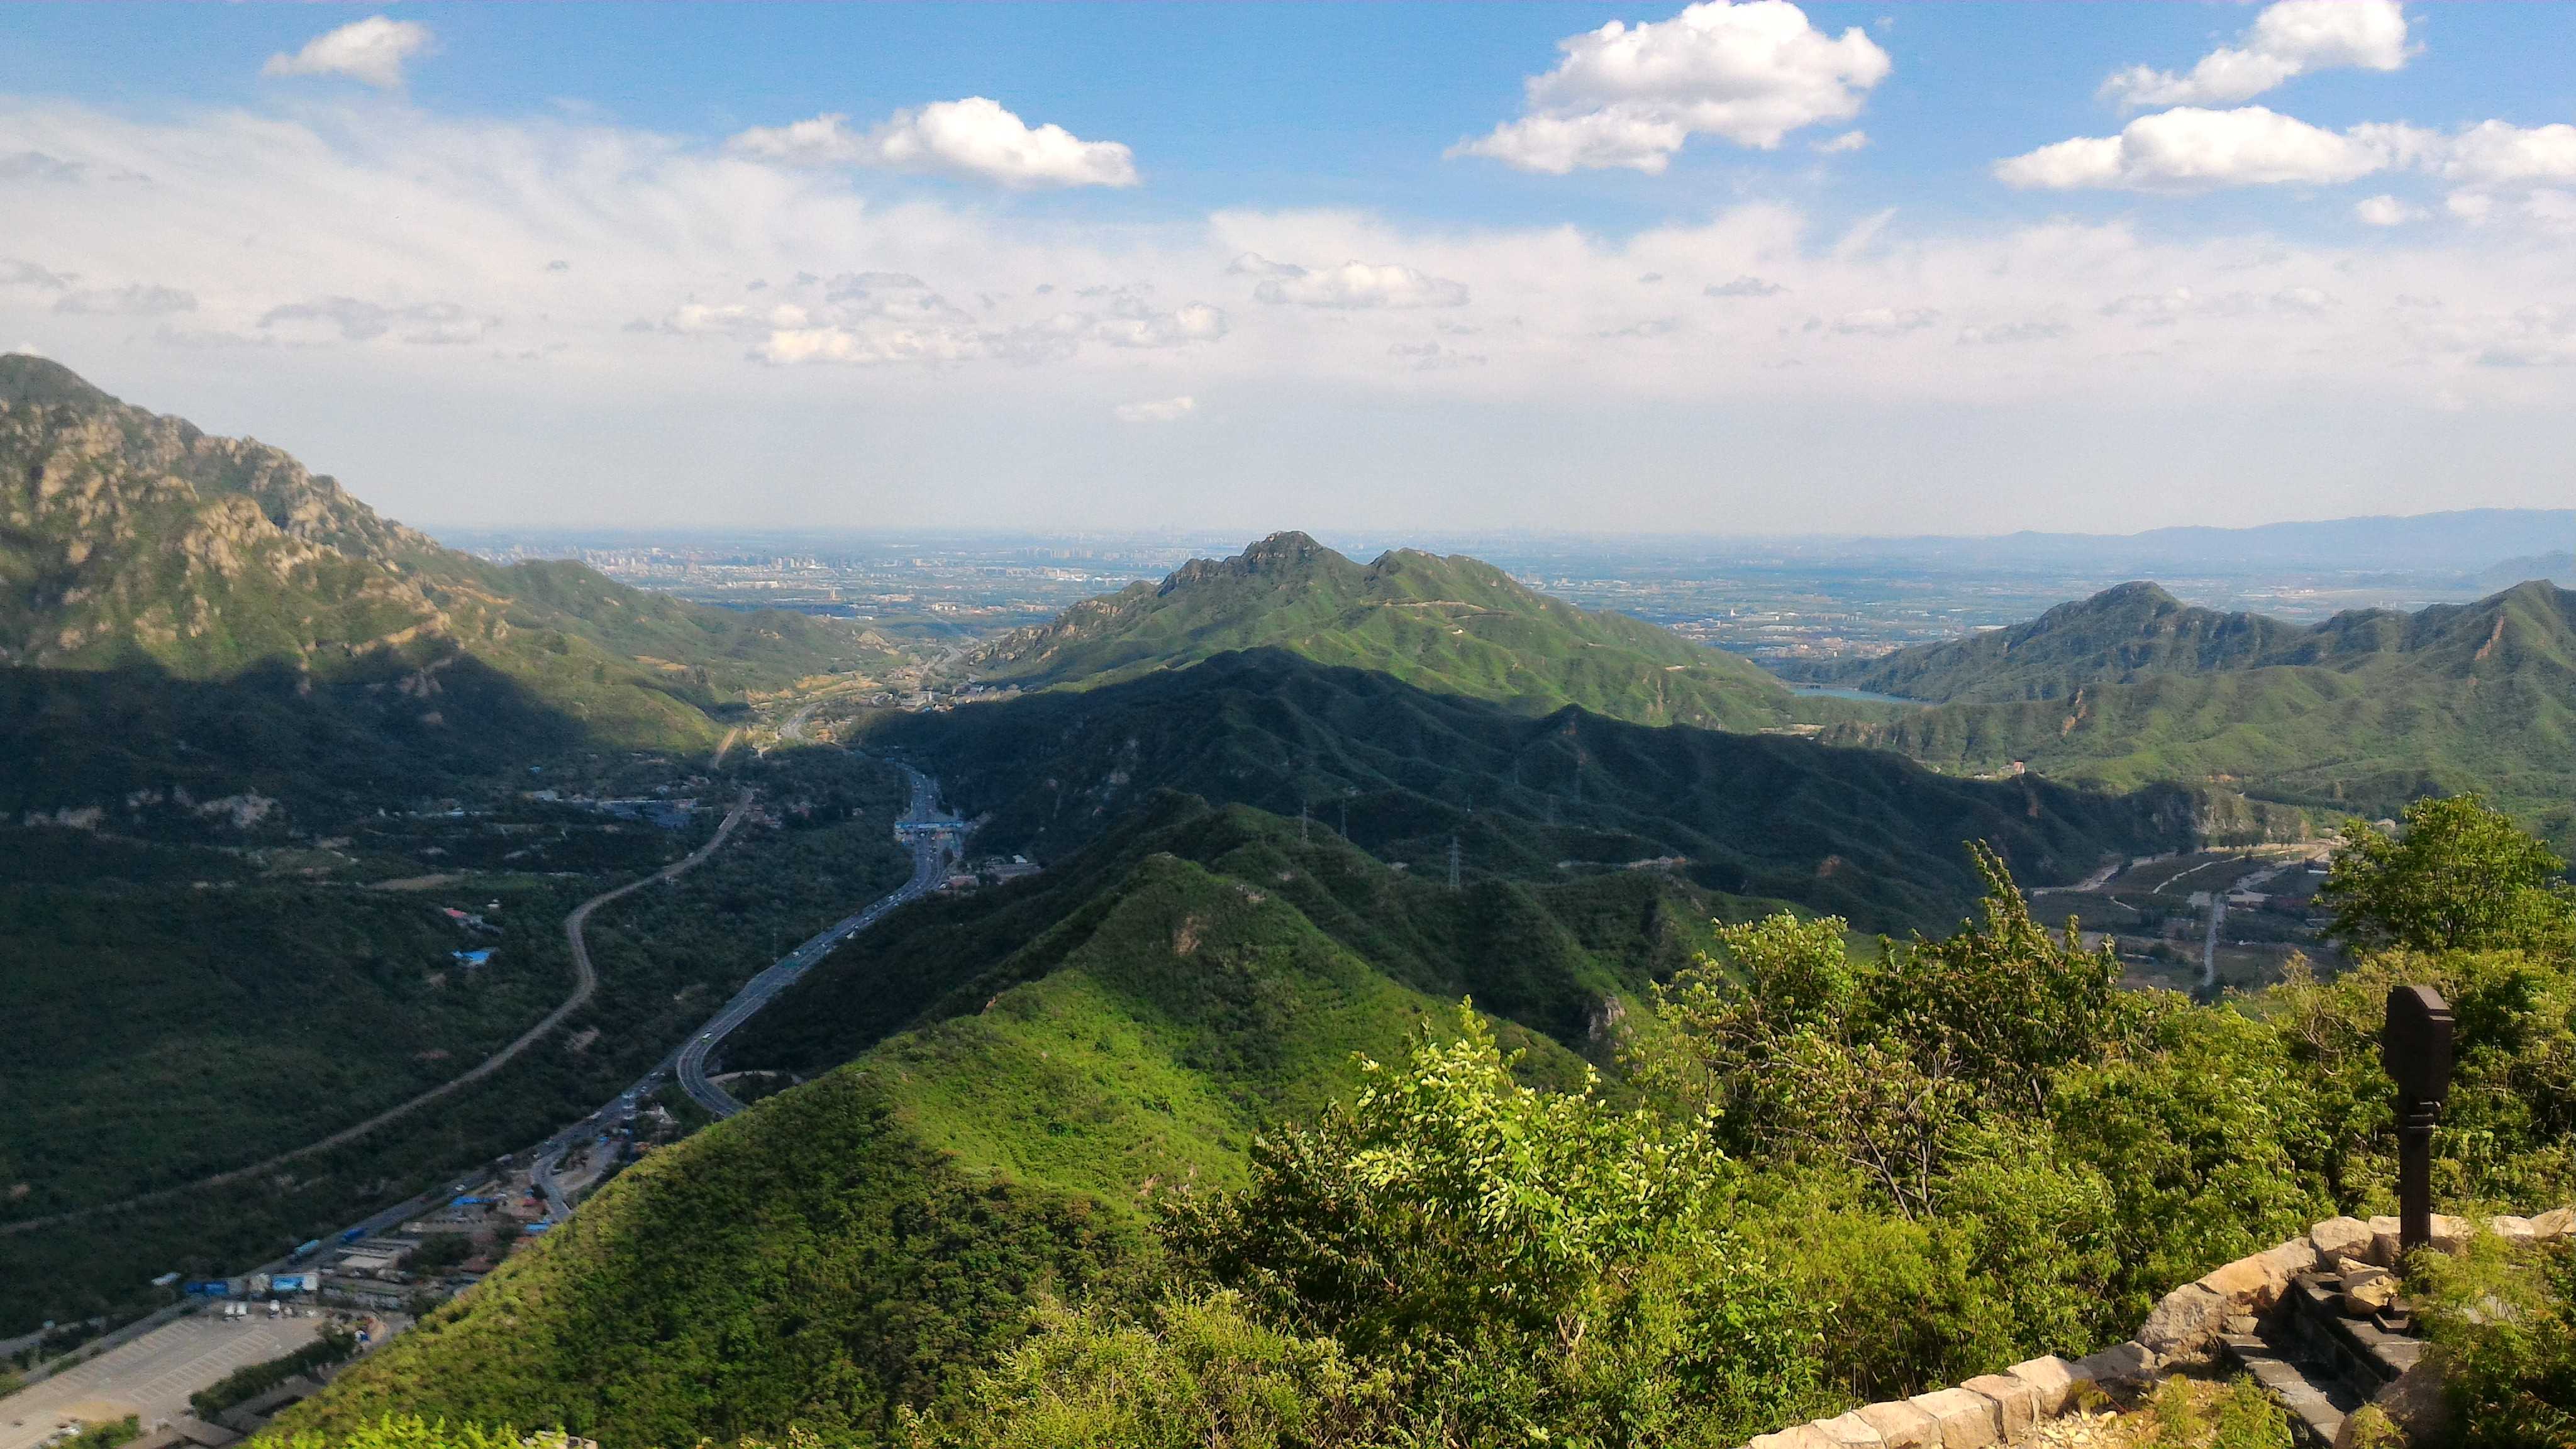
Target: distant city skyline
<point>1723,270</point>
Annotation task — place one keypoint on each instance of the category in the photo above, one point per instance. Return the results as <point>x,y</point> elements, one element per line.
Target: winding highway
<point>932,835</point>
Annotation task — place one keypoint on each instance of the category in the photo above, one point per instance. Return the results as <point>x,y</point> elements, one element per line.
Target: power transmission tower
<point>1453,862</point>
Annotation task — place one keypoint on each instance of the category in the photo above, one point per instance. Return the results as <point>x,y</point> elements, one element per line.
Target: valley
<point>645,994</point>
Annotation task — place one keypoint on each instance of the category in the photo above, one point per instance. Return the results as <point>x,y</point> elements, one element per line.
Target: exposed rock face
<point>129,533</point>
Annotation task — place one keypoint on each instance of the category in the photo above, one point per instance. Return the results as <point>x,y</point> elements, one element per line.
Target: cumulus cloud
<point>2288,39</point>
<point>974,137</point>
<point>2384,210</point>
<point>2189,148</point>
<point>1159,410</point>
<point>1352,285</point>
<point>2494,153</point>
<point>373,50</point>
<point>1847,141</point>
<point>1632,95</point>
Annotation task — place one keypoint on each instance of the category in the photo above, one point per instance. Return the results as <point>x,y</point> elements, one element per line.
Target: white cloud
<point>2291,38</point>
<point>1630,96</point>
<point>366,236</point>
<point>2384,210</point>
<point>1160,410</point>
<point>2494,153</point>
<point>373,50</point>
<point>1847,141</point>
<point>974,137</point>
<point>2192,149</point>
<point>1351,285</point>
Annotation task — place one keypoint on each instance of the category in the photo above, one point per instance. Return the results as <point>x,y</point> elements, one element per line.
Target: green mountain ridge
<point>1861,833</point>
<point>135,547</point>
<point>2362,712</point>
<point>1452,624</point>
<point>824,1256</point>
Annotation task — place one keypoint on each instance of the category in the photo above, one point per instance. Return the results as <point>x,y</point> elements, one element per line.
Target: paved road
<point>585,982</point>
<point>930,849</point>
<point>152,1377</point>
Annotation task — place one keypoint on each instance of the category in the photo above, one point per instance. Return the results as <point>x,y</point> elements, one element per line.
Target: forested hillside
<point>1862,833</point>
<point>1452,625</point>
<point>1145,1198</point>
<point>2362,712</point>
<point>828,1254</point>
<point>178,609</point>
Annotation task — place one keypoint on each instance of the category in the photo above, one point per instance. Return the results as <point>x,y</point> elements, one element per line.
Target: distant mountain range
<point>2468,540</point>
<point>2363,711</point>
<point>178,609</point>
<point>1454,624</point>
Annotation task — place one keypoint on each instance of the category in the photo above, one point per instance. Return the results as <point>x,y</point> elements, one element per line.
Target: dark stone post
<point>2415,1047</point>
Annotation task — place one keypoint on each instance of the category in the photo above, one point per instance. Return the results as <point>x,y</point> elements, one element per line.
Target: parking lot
<point>152,1376</point>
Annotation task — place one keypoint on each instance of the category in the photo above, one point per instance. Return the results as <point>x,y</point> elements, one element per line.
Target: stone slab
<point>2340,1237</point>
<point>2122,1365</point>
<point>2016,1407</point>
<point>2052,1384</point>
<point>2554,1224</point>
<point>1900,1425</point>
<point>1968,1420</point>
<point>1851,1431</point>
<point>1800,1436</point>
<point>2185,1322</point>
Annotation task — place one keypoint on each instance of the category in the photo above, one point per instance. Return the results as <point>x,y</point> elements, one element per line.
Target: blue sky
<point>562,242</point>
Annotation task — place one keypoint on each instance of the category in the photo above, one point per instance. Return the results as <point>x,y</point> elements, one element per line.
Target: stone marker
<point>2052,1383</point>
<point>1900,1425</point>
<point>2016,1407</point>
<point>1968,1420</point>
<point>2415,1047</point>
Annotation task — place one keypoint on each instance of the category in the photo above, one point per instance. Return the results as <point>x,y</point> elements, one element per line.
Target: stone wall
<point>2183,1330</point>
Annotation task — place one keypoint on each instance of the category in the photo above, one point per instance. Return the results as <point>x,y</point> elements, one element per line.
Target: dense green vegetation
<point>1451,625</point>
<point>2361,713</point>
<point>275,985</point>
<point>1552,956</point>
<point>1860,833</point>
<point>1148,1196</point>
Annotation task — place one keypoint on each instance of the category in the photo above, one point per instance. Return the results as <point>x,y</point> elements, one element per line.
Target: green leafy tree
<point>1524,1263</point>
<point>2458,877</point>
